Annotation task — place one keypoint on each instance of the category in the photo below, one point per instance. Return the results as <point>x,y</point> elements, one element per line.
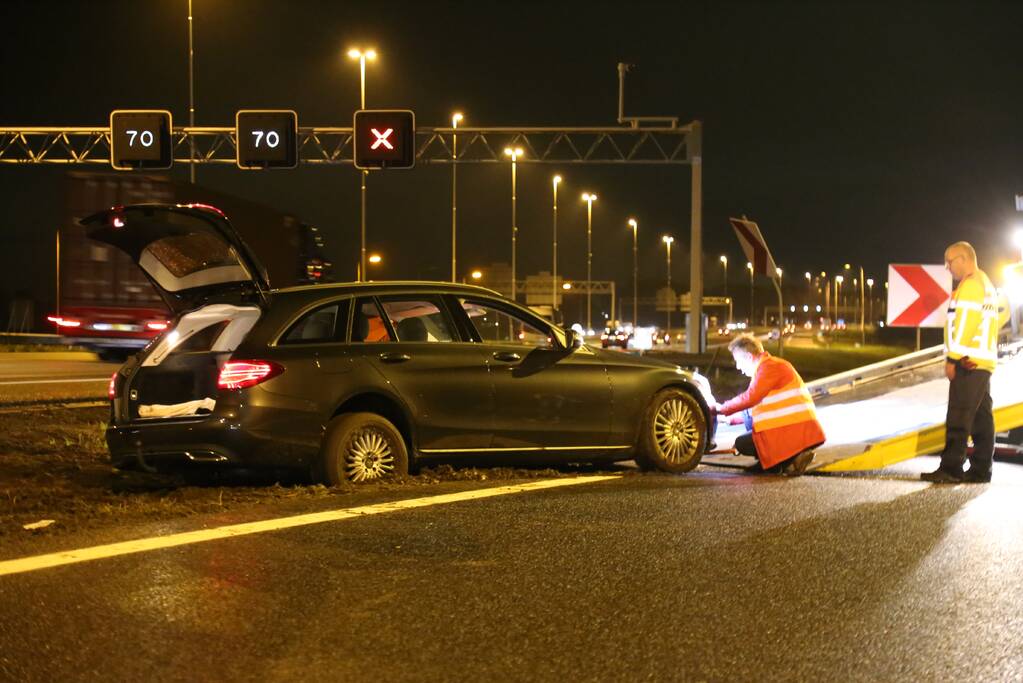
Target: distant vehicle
<point>615,337</point>
<point>356,381</point>
<point>105,301</point>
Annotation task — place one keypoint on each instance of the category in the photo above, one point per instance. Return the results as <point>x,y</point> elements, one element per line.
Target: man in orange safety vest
<point>781,416</point>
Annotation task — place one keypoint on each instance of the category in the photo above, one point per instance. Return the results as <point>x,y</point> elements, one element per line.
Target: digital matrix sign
<point>384,138</point>
<point>266,139</point>
<point>140,139</point>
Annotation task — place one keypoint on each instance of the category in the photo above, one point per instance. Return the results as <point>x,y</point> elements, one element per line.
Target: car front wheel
<point>362,447</point>
<point>673,435</point>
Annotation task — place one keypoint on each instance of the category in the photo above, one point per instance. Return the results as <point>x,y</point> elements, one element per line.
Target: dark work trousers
<point>744,442</point>
<point>969,414</point>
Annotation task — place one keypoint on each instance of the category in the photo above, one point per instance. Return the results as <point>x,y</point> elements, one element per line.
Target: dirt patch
<point>54,466</point>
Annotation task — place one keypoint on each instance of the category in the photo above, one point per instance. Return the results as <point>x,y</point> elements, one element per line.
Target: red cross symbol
<point>382,138</point>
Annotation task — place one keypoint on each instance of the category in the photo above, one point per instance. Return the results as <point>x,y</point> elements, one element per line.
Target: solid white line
<point>58,381</point>
<point>28,564</point>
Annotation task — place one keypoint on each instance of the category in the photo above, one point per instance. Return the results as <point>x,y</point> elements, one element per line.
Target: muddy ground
<point>54,466</point>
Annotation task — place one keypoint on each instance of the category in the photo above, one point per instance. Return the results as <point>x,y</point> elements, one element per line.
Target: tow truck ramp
<point>881,414</point>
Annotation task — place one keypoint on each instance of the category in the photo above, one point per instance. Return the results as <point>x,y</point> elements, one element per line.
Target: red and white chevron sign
<point>918,295</point>
<point>754,246</point>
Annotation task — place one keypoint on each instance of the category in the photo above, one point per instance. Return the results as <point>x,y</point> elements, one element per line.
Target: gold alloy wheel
<point>368,456</point>
<point>676,431</point>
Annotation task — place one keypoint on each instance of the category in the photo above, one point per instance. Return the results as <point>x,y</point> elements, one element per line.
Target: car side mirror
<point>572,339</point>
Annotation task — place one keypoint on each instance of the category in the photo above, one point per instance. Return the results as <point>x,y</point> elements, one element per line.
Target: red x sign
<point>382,138</point>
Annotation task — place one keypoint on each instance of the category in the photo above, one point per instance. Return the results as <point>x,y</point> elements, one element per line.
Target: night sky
<point>852,132</point>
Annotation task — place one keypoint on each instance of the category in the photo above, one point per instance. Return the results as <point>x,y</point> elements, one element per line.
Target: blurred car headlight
<point>704,384</point>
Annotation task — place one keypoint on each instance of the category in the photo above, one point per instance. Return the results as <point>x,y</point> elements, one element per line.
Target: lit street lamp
<point>362,56</point>
<point>870,283</point>
<point>668,239</point>
<point>724,266</point>
<point>749,267</point>
<point>635,269</point>
<point>589,198</point>
<point>838,296</point>
<point>781,313</point>
<point>476,275</point>
<point>809,286</point>
<point>514,154</point>
<point>554,269</point>
<point>455,118</point>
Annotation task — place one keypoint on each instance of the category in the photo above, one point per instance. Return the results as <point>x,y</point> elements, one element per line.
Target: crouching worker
<point>780,413</point>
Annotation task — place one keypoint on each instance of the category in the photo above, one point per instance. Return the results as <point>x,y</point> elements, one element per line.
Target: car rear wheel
<point>673,435</point>
<point>362,447</point>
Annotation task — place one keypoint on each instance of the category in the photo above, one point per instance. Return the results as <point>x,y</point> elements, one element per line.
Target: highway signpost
<point>266,139</point>
<point>384,138</point>
<point>918,296</point>
<point>754,246</point>
<point>140,139</point>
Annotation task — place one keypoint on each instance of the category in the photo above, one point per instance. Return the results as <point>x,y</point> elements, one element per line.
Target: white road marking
<point>99,552</point>
<point>58,381</point>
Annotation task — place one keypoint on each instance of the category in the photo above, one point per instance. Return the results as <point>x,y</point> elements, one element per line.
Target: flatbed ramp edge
<point>895,421</point>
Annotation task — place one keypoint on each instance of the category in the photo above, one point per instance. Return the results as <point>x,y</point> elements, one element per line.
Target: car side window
<point>417,320</point>
<point>497,326</point>
<point>321,325</point>
<point>368,325</point>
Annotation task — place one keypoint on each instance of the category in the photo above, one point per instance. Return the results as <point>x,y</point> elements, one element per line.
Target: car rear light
<point>239,374</point>
<point>63,322</point>
<point>159,326</point>
<point>112,387</point>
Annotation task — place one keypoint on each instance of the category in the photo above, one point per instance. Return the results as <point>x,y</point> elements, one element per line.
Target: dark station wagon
<point>359,381</point>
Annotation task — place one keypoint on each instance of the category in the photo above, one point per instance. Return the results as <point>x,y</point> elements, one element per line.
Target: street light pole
<point>514,154</point>
<point>724,265</point>
<point>191,98</point>
<point>454,195</point>
<point>589,198</point>
<point>362,56</point>
<point>554,268</point>
<point>635,270</point>
<point>752,318</point>
<point>863,310</point>
<point>668,239</point>
<point>870,283</point>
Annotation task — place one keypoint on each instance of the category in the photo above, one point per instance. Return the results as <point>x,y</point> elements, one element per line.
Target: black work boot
<point>943,476</point>
<point>797,464</point>
<point>976,475</point>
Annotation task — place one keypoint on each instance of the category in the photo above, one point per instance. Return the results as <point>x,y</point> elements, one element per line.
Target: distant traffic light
<point>140,139</point>
<point>384,138</point>
<point>266,139</point>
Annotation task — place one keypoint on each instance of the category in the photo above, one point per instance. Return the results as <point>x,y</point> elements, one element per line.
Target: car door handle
<point>395,357</point>
<point>507,356</point>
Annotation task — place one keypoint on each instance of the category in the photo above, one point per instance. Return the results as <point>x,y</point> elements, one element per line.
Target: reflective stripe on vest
<point>789,405</point>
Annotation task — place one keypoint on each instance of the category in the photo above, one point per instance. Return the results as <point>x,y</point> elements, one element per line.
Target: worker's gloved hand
<point>967,363</point>
<point>950,371</point>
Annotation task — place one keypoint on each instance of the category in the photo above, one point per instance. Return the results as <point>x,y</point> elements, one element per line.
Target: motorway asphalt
<point>26,380</point>
<point>715,575</point>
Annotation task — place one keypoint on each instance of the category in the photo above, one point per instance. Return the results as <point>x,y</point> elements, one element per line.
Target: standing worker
<point>780,413</point>
<point>971,353</point>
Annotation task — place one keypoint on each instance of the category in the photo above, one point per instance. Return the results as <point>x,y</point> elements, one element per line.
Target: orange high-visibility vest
<point>784,418</point>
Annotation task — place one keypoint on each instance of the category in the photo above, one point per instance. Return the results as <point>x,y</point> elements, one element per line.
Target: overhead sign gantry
<point>665,144</point>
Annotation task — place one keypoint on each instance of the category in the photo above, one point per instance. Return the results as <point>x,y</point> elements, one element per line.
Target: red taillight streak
<point>156,326</point>
<point>239,374</point>
<point>112,387</point>
<point>63,322</point>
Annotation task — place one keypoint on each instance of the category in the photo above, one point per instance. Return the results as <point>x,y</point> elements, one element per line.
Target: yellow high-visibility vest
<point>973,322</point>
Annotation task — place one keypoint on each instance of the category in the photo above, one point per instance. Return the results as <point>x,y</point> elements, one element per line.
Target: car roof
<point>381,287</point>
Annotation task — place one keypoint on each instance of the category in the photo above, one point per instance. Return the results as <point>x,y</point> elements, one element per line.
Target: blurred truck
<point>104,302</point>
